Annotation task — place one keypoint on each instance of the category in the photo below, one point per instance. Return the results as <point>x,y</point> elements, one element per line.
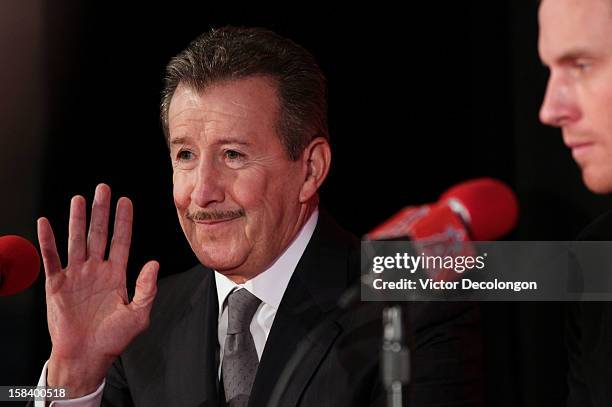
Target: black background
<point>420,98</point>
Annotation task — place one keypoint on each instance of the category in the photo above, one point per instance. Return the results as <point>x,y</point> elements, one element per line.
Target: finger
<point>122,233</point>
<point>76,231</point>
<point>48,248</point>
<point>146,288</point>
<point>98,226</point>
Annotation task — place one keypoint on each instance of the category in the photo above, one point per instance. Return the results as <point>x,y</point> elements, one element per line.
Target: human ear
<point>317,160</point>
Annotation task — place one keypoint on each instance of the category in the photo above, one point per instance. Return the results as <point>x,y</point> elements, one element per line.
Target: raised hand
<point>90,318</point>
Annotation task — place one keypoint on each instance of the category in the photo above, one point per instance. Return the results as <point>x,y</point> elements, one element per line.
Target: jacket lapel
<point>313,291</point>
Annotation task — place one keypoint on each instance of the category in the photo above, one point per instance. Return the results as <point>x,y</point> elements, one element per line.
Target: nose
<point>559,106</point>
<point>208,188</point>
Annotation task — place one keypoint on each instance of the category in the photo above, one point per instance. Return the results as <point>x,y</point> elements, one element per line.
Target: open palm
<point>90,318</point>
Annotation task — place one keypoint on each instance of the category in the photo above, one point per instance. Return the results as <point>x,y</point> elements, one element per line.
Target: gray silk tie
<point>239,355</point>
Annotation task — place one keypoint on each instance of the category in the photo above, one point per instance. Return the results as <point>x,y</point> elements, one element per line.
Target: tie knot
<point>241,306</point>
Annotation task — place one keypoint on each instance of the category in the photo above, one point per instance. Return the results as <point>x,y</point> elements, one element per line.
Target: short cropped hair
<point>231,53</point>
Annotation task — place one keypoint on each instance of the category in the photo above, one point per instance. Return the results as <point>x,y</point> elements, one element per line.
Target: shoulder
<point>599,229</point>
<point>181,289</point>
<point>185,281</point>
<point>332,256</point>
<point>330,234</point>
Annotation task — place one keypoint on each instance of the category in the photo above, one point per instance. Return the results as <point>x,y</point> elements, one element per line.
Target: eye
<point>233,155</point>
<point>184,155</point>
<point>234,159</point>
<point>582,65</point>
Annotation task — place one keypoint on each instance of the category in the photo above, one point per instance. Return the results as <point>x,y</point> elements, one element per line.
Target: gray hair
<point>231,53</point>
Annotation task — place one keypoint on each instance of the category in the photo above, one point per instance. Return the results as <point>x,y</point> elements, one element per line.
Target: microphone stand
<point>395,358</point>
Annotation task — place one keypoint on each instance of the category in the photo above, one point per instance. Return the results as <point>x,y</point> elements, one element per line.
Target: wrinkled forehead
<point>247,105</point>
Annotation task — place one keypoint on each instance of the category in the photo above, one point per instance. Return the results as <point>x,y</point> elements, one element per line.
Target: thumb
<point>146,287</point>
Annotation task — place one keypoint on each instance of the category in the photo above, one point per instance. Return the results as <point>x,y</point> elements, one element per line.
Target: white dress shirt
<point>269,286</point>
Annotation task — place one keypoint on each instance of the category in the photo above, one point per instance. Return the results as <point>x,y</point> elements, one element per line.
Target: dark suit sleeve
<point>447,367</point>
<point>445,344</point>
<point>578,390</point>
<point>582,329</point>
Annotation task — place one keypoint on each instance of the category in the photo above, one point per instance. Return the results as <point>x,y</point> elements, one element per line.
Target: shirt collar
<point>270,285</point>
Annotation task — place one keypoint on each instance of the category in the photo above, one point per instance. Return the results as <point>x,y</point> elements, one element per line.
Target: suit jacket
<point>589,339</point>
<point>175,362</point>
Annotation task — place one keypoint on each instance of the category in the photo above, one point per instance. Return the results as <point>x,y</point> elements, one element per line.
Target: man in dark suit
<point>575,42</point>
<point>244,113</point>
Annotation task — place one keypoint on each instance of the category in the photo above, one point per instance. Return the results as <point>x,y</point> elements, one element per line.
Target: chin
<point>220,259</point>
<point>597,183</point>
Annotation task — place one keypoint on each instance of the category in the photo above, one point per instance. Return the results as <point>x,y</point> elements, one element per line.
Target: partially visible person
<point>575,43</point>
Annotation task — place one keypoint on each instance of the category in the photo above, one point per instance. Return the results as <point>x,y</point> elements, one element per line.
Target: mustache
<point>215,215</point>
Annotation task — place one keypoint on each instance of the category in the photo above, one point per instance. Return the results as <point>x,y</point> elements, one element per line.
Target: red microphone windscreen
<point>491,206</point>
<point>19,264</point>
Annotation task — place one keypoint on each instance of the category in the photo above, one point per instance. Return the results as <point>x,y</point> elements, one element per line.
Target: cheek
<point>267,196</point>
<point>250,190</point>
<point>602,121</point>
<point>181,190</point>
<point>598,101</point>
